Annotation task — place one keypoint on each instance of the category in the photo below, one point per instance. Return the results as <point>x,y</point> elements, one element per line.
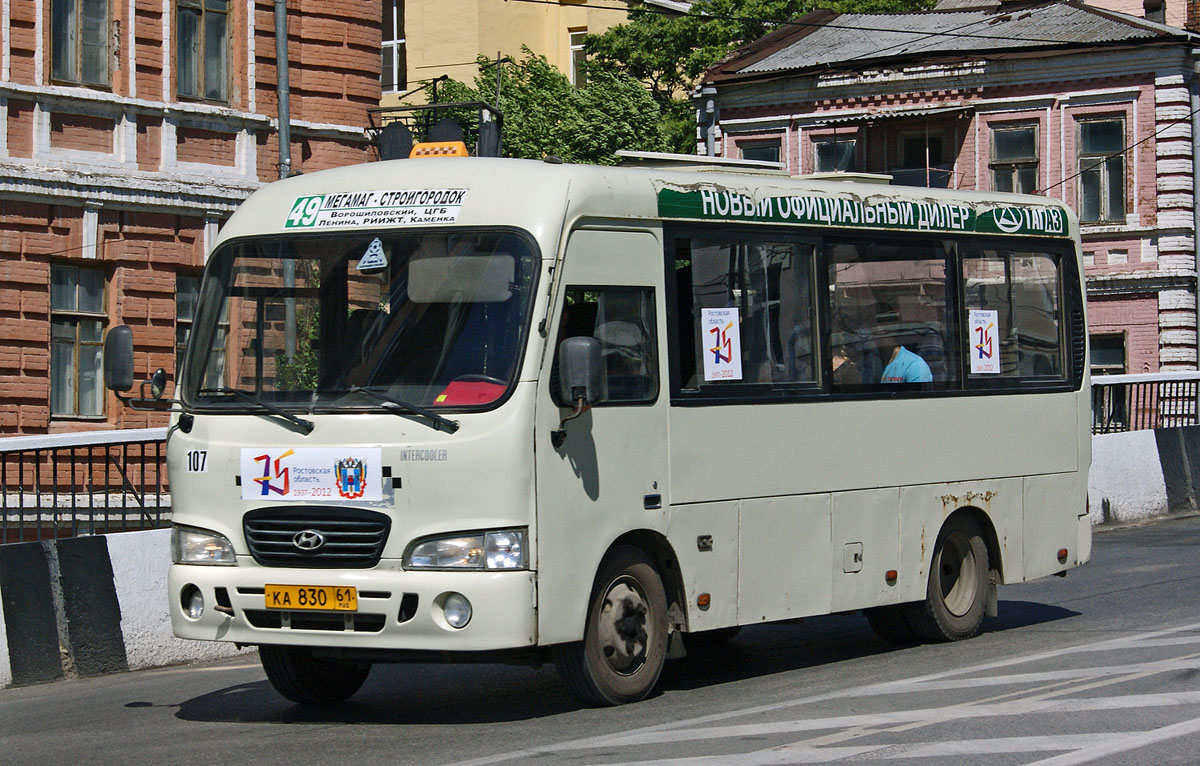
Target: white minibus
<point>471,409</point>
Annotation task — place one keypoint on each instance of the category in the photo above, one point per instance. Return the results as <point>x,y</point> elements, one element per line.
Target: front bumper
<point>396,609</point>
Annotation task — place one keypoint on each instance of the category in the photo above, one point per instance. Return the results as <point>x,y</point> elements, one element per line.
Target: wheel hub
<point>622,628</point>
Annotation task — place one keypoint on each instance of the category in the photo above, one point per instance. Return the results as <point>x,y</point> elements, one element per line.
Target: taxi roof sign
<point>440,149</point>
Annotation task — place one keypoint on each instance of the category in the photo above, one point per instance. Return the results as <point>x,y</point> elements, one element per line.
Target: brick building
<point>131,130</point>
<point>1096,108</point>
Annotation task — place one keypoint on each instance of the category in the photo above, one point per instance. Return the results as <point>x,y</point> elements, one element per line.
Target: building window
<point>394,73</point>
<point>76,335</point>
<point>1102,171</point>
<point>578,56</point>
<point>79,41</point>
<point>202,41</point>
<point>921,161</point>
<point>1110,407</point>
<point>1108,354</point>
<point>1155,10</point>
<point>187,294</point>
<point>833,155</point>
<point>761,151</point>
<point>1015,159</point>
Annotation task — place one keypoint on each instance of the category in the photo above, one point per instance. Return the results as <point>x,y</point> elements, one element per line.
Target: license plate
<point>326,597</point>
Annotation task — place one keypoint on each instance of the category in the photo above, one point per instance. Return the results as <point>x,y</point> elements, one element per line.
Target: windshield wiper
<point>304,425</point>
<point>439,423</point>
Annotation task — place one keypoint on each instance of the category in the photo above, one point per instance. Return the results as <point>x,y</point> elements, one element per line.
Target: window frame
<point>1013,166</point>
<point>770,391</point>
<point>1098,161</point>
<point>393,44</point>
<point>77,76</point>
<point>575,36</point>
<point>1063,256</point>
<point>75,316</point>
<point>754,144</point>
<point>198,67</point>
<point>926,137</point>
<point>959,383</point>
<point>834,140</point>
<point>652,330</point>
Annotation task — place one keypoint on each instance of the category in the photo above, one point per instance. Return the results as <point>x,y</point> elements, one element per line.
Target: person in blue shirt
<point>905,367</point>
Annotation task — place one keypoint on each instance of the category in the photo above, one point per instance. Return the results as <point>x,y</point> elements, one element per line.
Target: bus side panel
<point>924,509</point>
<point>1052,507</point>
<point>866,545</point>
<point>784,555</point>
<point>705,538</point>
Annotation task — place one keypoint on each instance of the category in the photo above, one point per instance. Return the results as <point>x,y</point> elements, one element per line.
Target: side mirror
<point>580,372</point>
<point>118,359</point>
<point>581,379</point>
<point>158,383</point>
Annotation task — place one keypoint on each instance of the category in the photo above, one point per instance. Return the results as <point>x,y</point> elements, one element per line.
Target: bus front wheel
<point>298,675</point>
<point>624,645</point>
<point>959,577</point>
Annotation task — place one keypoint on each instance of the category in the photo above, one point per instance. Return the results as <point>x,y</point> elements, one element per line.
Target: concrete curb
<point>1142,475</point>
<point>85,606</point>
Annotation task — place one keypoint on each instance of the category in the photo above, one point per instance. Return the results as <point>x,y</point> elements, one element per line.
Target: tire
<point>891,624</point>
<point>298,675</point>
<point>624,644</point>
<point>959,578</point>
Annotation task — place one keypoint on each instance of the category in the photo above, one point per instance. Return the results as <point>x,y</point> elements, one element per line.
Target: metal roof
<point>851,38</point>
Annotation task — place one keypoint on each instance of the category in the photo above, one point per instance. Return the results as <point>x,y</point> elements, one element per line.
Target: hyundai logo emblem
<point>308,539</point>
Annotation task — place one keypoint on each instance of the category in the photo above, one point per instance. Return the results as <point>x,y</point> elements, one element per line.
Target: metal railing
<point>83,483</point>
<point>1139,402</point>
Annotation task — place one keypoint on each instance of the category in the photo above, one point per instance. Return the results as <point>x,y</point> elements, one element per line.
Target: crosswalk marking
<point>840,732</point>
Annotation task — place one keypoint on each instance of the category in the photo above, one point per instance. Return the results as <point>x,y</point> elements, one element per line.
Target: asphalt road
<point>1100,667</point>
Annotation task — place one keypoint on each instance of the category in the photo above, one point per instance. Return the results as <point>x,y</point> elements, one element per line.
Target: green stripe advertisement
<point>907,215</point>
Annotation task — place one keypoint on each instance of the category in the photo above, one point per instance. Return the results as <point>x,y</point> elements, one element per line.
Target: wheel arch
<point>990,538</point>
<point>661,553</point>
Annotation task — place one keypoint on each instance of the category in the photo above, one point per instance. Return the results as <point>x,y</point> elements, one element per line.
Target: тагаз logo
<point>1009,219</point>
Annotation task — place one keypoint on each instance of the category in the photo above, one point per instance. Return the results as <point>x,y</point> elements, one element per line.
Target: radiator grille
<point>348,537</point>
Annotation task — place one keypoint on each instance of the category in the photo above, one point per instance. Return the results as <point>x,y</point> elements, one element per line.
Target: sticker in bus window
<point>722,344</point>
<point>374,259</point>
<point>985,342</point>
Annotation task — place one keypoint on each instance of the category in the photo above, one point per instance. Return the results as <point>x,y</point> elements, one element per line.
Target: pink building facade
<point>1091,107</point>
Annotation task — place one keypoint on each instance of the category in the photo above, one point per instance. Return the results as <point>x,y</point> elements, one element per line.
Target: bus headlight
<point>501,549</point>
<point>199,546</point>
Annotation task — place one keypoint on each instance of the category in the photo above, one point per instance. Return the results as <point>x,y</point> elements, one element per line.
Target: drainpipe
<point>285,162</point>
<point>1194,103</point>
<point>281,67</point>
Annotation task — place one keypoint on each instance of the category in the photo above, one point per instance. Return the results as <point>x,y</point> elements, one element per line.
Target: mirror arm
<point>147,403</point>
<point>558,437</point>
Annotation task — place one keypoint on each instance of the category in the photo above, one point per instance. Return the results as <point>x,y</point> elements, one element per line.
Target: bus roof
<point>539,196</point>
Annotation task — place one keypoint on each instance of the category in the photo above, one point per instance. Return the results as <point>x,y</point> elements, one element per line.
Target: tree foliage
<point>544,114</point>
<point>670,53</point>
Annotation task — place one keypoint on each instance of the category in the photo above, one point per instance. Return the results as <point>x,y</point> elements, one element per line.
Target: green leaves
<point>545,114</point>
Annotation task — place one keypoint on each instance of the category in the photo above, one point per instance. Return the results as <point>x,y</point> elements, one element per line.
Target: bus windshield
<point>430,318</point>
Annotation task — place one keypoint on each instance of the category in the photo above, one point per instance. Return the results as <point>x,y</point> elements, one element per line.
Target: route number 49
<point>197,461</point>
<point>304,211</point>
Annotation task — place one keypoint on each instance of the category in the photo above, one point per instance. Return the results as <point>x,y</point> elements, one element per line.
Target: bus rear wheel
<point>298,675</point>
<point>959,578</point>
<point>624,645</point>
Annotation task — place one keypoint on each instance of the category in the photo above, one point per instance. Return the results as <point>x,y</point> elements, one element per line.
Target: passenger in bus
<point>903,366</point>
<point>846,375</point>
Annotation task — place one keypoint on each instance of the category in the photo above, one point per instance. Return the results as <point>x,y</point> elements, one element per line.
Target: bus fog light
<point>193,602</point>
<point>457,610</point>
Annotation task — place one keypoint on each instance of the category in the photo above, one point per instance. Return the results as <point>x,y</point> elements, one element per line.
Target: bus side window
<point>622,319</point>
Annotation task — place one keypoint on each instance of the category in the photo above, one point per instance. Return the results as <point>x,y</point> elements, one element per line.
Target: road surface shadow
<point>458,694</point>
